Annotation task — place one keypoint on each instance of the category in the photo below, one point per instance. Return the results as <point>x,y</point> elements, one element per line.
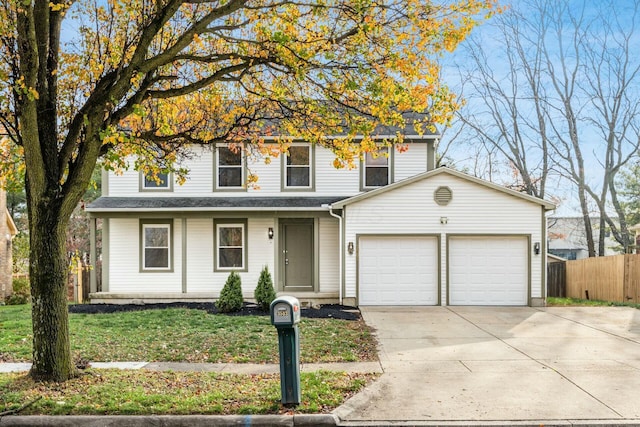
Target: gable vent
<point>442,196</point>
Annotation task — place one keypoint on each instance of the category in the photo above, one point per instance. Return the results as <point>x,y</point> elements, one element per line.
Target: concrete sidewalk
<point>231,368</point>
<point>488,365</point>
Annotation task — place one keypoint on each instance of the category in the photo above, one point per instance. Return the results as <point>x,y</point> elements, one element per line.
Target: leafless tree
<point>554,88</point>
<point>505,101</point>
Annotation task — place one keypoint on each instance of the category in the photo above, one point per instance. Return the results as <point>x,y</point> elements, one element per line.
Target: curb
<point>304,420</point>
<point>530,423</point>
<point>169,420</point>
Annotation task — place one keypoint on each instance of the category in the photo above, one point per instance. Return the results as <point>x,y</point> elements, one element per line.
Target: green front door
<point>297,254</point>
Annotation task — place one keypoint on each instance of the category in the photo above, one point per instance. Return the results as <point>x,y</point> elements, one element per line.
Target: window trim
<point>165,223</point>
<point>363,170</point>
<point>143,187</point>
<point>230,222</point>
<point>216,169</point>
<point>311,166</point>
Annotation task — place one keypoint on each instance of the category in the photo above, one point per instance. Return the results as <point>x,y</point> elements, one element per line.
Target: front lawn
<point>115,392</point>
<point>557,301</point>
<point>188,335</point>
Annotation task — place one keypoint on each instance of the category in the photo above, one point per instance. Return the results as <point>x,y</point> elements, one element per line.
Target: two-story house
<point>393,231</point>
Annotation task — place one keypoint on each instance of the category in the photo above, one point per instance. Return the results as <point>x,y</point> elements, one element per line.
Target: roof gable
<point>439,171</point>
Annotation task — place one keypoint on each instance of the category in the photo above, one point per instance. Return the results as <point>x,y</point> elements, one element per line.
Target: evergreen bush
<point>264,293</point>
<point>231,296</point>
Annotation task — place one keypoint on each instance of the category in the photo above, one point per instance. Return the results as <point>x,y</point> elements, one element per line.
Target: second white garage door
<point>398,270</point>
<point>488,270</point>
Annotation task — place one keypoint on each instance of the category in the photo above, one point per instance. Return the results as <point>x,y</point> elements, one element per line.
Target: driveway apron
<point>502,364</point>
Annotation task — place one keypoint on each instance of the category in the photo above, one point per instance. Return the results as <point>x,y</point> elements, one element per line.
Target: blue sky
<point>462,155</point>
<point>462,152</point>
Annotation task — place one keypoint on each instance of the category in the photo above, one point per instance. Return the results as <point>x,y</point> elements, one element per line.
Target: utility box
<point>285,316</point>
<point>285,312</point>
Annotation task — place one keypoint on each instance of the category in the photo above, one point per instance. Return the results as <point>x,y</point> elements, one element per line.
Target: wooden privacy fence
<point>612,278</point>
<point>557,279</point>
<point>79,279</point>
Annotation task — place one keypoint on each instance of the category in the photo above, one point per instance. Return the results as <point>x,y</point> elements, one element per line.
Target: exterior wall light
<point>350,248</point>
<point>536,248</point>
<point>270,233</point>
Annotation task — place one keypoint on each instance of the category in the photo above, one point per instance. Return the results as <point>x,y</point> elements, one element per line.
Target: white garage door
<point>488,270</point>
<point>398,270</point>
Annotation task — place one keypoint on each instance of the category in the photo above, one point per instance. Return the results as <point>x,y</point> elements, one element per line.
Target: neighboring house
<point>567,237</point>
<point>7,231</point>
<point>393,231</point>
<point>636,230</point>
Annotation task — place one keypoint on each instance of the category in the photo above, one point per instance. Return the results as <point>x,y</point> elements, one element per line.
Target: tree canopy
<point>144,78</point>
<point>141,80</point>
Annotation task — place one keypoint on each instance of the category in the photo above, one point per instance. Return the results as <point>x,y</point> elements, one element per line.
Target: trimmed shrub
<point>264,293</point>
<point>231,296</point>
<point>17,299</point>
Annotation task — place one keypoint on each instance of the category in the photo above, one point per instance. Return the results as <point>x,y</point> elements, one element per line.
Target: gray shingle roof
<point>120,204</point>
<point>410,118</point>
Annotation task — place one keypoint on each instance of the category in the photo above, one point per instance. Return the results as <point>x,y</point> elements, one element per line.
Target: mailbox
<point>285,316</point>
<point>285,311</point>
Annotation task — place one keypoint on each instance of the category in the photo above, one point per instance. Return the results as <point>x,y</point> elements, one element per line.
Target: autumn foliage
<point>136,82</point>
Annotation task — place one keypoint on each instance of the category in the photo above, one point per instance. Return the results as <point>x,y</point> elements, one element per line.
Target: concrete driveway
<point>502,364</point>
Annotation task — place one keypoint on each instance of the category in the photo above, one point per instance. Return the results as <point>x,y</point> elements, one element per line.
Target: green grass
<point>188,336</point>
<point>115,392</point>
<point>555,301</point>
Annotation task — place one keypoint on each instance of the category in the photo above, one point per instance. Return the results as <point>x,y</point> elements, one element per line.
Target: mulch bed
<point>326,311</point>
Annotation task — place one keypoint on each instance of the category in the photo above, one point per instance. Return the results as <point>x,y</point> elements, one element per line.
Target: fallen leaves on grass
<point>116,392</point>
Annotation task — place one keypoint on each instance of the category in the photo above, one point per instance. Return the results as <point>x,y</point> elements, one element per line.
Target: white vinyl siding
<point>125,275</point>
<point>411,162</point>
<point>200,257</point>
<point>326,179</point>
<point>331,181</point>
<point>124,258</point>
<point>474,209</point>
<point>329,255</point>
<point>199,182</point>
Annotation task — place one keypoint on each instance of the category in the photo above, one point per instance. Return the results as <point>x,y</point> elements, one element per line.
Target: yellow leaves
<point>21,87</point>
<point>58,7</point>
<point>310,67</point>
<point>252,178</point>
<point>32,93</point>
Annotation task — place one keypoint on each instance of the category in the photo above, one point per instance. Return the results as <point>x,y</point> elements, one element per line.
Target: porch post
<point>93,283</point>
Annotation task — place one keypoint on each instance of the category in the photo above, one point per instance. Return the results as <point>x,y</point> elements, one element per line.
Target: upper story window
<point>156,246</point>
<point>376,170</point>
<point>229,168</point>
<point>298,167</point>
<point>158,182</point>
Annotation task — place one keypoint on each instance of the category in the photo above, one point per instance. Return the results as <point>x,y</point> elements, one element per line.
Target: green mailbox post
<point>285,316</point>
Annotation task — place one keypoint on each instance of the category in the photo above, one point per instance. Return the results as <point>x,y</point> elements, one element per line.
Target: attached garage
<point>444,237</point>
<point>398,270</point>
<point>488,270</point>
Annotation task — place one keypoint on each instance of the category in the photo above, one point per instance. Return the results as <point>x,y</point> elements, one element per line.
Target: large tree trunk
<point>48,275</point>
